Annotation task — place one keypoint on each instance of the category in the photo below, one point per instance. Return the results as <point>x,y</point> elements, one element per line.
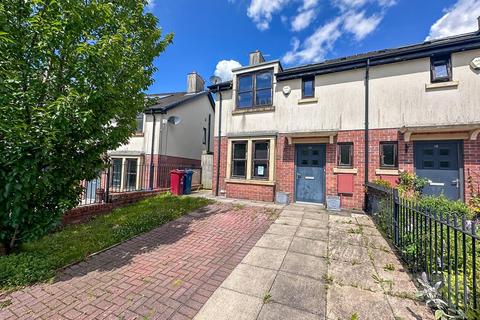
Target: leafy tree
<point>72,76</point>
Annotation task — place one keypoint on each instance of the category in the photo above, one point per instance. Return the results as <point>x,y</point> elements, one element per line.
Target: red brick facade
<point>285,166</point>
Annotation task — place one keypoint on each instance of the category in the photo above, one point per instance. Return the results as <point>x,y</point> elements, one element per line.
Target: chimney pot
<point>256,57</point>
<point>195,83</point>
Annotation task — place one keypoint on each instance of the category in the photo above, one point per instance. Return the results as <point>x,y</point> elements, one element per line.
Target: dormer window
<point>441,68</point>
<point>255,89</point>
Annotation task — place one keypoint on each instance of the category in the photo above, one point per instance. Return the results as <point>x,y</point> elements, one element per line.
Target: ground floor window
<point>388,155</point>
<point>125,174</point>
<point>345,155</point>
<point>251,159</point>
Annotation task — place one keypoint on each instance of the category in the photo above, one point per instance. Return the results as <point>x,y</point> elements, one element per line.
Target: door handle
<point>456,183</point>
<point>436,184</point>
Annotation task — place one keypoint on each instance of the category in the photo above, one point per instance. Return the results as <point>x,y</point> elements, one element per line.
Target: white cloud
<point>361,26</point>
<point>347,5</point>
<point>461,18</point>
<point>224,69</point>
<point>261,11</point>
<point>315,46</point>
<point>309,4</point>
<point>150,5</point>
<point>303,20</point>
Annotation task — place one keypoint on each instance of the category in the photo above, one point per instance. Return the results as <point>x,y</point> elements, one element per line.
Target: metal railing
<point>122,178</point>
<point>445,247</point>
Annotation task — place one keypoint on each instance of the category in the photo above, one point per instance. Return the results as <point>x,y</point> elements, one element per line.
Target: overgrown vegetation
<point>72,80</point>
<point>39,260</point>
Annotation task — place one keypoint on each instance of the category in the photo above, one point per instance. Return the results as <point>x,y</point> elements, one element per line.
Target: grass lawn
<point>39,260</point>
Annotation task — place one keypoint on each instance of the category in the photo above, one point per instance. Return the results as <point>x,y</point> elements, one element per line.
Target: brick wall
<point>223,164</point>
<point>285,166</point>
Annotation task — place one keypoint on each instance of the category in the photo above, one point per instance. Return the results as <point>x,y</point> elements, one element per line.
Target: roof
<point>168,101</point>
<point>468,41</point>
<point>457,43</point>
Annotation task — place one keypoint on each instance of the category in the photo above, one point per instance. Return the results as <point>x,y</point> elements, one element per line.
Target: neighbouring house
<point>173,133</point>
<point>324,129</point>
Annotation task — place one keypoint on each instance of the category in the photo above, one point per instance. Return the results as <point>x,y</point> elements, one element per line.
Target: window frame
<point>267,160</point>
<point>339,145</point>
<point>306,79</point>
<point>441,60</point>
<point>254,89</point>
<point>232,173</point>
<point>204,138</point>
<point>395,155</point>
<point>128,174</point>
<point>137,119</point>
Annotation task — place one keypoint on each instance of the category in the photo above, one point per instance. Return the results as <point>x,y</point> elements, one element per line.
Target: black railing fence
<point>445,247</point>
<point>121,177</point>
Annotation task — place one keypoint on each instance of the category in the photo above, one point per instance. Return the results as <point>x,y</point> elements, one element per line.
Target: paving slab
<point>355,274</point>
<point>274,241</point>
<point>276,311</point>
<point>309,246</point>
<point>281,229</point>
<point>311,223</point>
<point>305,265</point>
<point>300,292</point>
<point>312,233</point>
<point>364,304</point>
<point>259,280</point>
<point>292,221</point>
<point>347,252</point>
<point>292,213</point>
<point>265,257</point>
<point>231,305</point>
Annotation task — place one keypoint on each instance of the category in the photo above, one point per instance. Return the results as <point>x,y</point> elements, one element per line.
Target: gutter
<point>367,87</point>
<point>152,150</point>
<point>219,147</point>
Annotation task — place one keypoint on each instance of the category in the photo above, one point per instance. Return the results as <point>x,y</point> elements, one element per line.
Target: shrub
<point>410,184</point>
<point>443,205</point>
<point>383,183</point>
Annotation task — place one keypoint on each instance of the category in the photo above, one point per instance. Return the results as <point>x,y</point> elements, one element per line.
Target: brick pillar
<point>223,164</point>
<point>471,160</point>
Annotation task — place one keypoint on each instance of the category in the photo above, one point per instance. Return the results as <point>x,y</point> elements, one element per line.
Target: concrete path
<point>314,265</point>
<point>168,273</point>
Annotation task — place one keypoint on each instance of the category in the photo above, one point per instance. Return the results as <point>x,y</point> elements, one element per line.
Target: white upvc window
<point>126,174</point>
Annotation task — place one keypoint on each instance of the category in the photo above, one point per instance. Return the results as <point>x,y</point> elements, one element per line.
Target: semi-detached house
<point>325,129</point>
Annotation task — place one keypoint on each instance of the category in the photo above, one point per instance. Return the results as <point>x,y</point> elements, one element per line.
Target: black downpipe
<point>151,152</point>
<point>209,132</point>
<point>219,147</point>
<point>367,79</point>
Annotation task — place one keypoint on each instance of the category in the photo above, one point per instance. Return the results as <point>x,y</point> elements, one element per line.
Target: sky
<point>214,36</point>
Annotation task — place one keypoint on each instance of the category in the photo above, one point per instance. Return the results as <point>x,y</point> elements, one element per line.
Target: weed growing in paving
<point>389,267</point>
<point>39,260</point>
<point>267,297</point>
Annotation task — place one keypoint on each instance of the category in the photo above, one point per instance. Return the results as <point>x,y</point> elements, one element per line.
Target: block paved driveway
<point>168,273</point>
<point>314,265</point>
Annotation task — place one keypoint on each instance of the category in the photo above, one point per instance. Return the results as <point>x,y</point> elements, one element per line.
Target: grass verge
<point>39,260</point>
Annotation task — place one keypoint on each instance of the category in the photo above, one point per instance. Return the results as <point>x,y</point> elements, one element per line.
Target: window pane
<point>245,83</point>
<point>245,100</point>
<point>388,152</point>
<point>427,164</point>
<point>264,80</point>
<point>116,173</point>
<point>139,122</point>
<point>260,169</point>
<point>263,97</point>
<point>428,152</point>
<point>441,70</point>
<point>345,152</point>
<point>239,151</point>
<point>308,88</point>
<point>239,167</point>
<point>261,151</point>
<point>131,176</point>
<point>444,164</point>
<point>444,152</point>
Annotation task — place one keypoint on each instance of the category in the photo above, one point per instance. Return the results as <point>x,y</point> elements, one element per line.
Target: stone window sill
<point>345,170</point>
<point>138,134</point>
<point>254,110</point>
<point>387,172</point>
<point>308,100</point>
<point>251,181</point>
<point>441,85</point>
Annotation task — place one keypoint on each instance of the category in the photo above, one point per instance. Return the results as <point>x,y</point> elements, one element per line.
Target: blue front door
<point>310,173</point>
<point>439,163</point>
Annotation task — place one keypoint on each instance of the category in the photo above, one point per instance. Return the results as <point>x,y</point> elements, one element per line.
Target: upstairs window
<point>441,68</point>
<point>239,159</point>
<point>255,89</point>
<point>388,155</point>
<point>139,123</point>
<point>345,155</point>
<point>261,156</point>
<point>308,87</point>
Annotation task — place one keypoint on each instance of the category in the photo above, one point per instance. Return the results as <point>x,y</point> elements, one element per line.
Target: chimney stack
<point>478,19</point>
<point>256,57</point>
<point>195,83</point>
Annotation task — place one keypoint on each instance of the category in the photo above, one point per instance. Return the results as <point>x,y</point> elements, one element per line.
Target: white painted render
<point>183,140</point>
<point>398,97</point>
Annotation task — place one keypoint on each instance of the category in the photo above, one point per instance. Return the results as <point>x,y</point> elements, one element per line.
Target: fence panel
<point>444,247</point>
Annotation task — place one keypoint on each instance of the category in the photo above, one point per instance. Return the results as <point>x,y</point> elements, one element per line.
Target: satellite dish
<point>215,80</point>
<point>175,120</point>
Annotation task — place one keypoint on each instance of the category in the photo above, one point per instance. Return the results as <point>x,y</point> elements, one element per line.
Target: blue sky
<point>295,31</point>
